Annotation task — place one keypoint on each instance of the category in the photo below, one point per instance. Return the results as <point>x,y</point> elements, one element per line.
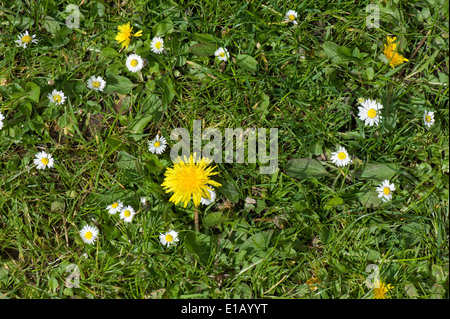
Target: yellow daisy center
<point>157,144</point>
<point>134,63</point>
<point>127,213</point>
<point>386,191</point>
<point>291,17</point>
<point>26,38</point>
<point>88,235</point>
<point>372,113</point>
<point>44,160</point>
<point>158,45</point>
<point>57,98</point>
<point>169,238</point>
<point>342,155</point>
<point>96,84</point>
<point>115,205</point>
<point>428,118</point>
<point>222,54</point>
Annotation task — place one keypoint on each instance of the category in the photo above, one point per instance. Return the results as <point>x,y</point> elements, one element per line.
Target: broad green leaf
<point>247,62</point>
<point>126,161</point>
<point>370,199</point>
<point>98,9</point>
<point>163,28</point>
<point>34,91</point>
<point>303,168</point>
<point>116,143</point>
<point>198,245</point>
<point>228,189</point>
<point>214,219</point>
<point>332,202</point>
<point>258,241</point>
<point>168,90</point>
<point>205,38</point>
<point>370,73</point>
<point>51,25</point>
<point>109,52</point>
<point>377,171</point>
<point>119,84</point>
<point>411,290</point>
<point>137,127</point>
<point>151,104</point>
<point>202,49</point>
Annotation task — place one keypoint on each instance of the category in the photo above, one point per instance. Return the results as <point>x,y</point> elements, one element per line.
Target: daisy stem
<point>197,227</point>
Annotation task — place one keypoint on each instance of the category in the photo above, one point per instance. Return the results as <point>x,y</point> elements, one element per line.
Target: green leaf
<point>168,90</point>
<point>228,189</point>
<point>137,127</point>
<point>51,25</point>
<point>152,104</point>
<point>332,202</point>
<point>214,219</point>
<point>370,199</point>
<point>303,168</point>
<point>203,49</point>
<point>247,62</point>
<point>259,241</point>
<point>370,73</point>
<point>377,172</point>
<point>411,290</point>
<point>126,161</point>
<point>115,143</point>
<point>163,28</point>
<point>198,245</point>
<point>34,91</point>
<point>205,38</point>
<point>109,52</point>
<point>53,284</point>
<point>98,9</point>
<point>119,84</point>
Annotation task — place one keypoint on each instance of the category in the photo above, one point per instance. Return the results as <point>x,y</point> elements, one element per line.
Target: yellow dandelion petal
<point>380,290</point>
<point>391,52</point>
<point>189,179</point>
<point>125,33</point>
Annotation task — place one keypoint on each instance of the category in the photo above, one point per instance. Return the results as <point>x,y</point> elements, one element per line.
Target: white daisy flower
<point>25,39</point>
<point>370,112</point>
<point>134,63</point>
<point>206,201</point>
<point>2,117</point>
<point>157,45</point>
<point>157,145</point>
<point>385,190</point>
<point>428,118</point>
<point>222,54</point>
<point>127,213</point>
<point>114,207</point>
<point>169,238</point>
<point>43,160</point>
<point>360,100</point>
<point>57,97</point>
<point>96,83</point>
<point>340,158</point>
<point>291,15</point>
<point>143,200</point>
<point>89,234</point>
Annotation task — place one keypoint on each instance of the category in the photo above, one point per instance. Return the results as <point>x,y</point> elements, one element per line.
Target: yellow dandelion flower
<point>391,53</point>
<point>189,178</point>
<point>125,33</point>
<point>312,283</point>
<point>380,289</point>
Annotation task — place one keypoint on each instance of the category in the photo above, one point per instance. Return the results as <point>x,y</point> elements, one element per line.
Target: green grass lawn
<point>310,230</point>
